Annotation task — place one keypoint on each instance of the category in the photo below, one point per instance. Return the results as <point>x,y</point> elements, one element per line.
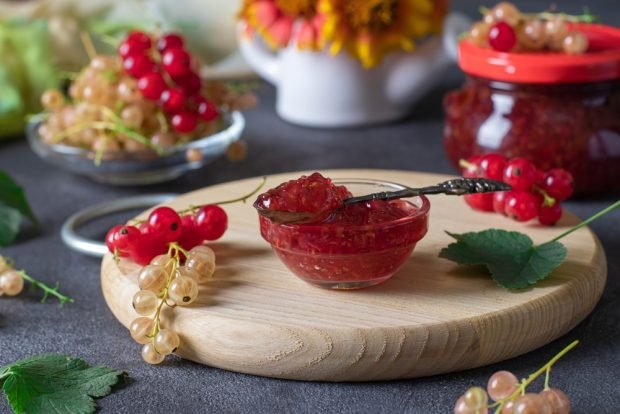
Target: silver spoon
<point>457,186</point>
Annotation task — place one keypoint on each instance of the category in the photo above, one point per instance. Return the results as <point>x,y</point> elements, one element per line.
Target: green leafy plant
<point>512,259</point>
<point>13,206</point>
<point>26,70</point>
<point>51,383</point>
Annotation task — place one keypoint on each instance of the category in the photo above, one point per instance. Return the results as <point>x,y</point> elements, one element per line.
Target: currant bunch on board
<point>534,193</point>
<point>170,247</point>
<point>505,29</point>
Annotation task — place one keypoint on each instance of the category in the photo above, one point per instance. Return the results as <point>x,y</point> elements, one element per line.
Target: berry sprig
<point>510,395</point>
<point>505,29</point>
<point>534,193</point>
<point>187,228</point>
<point>12,283</point>
<point>166,282</point>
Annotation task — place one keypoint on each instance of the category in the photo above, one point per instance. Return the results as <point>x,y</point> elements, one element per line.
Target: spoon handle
<point>457,186</point>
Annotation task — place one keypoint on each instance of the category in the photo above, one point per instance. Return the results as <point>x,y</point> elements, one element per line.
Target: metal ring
<point>96,248</point>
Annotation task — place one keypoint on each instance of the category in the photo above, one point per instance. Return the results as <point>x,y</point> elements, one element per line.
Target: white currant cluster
<point>166,282</point>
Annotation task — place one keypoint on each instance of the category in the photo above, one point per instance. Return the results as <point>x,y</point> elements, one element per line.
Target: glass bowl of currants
<point>141,116</point>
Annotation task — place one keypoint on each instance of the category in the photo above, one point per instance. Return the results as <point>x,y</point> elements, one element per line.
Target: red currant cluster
<point>534,193</point>
<point>163,227</point>
<point>505,29</point>
<point>165,75</point>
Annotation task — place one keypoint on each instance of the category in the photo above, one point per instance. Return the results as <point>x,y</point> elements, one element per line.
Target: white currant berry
<point>202,260</point>
<point>150,355</point>
<point>141,329</point>
<point>183,290</point>
<point>153,278</point>
<point>145,302</point>
<point>11,283</point>
<point>166,341</point>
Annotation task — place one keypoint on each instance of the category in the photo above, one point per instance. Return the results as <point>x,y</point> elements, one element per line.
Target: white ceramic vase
<point>317,89</point>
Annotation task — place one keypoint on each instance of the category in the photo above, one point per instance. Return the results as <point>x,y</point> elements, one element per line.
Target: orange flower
<point>370,29</point>
<point>275,21</point>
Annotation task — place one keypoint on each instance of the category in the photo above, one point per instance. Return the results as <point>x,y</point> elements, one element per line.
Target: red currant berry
<point>499,202</point>
<point>176,62</point>
<point>184,122</point>
<point>169,41</point>
<point>492,166</point>
<point>470,168</point>
<point>138,65</point>
<point>166,223</point>
<point>146,247</point>
<point>189,83</point>
<point>126,237</point>
<point>144,227</point>
<point>522,205</point>
<point>520,173</point>
<point>126,49</point>
<point>152,85</point>
<point>172,100</point>
<point>110,237</point>
<point>549,215</point>
<point>558,183</point>
<point>207,110</point>
<point>482,202</point>
<point>140,38</point>
<point>212,222</point>
<point>190,236</point>
<point>502,37</point>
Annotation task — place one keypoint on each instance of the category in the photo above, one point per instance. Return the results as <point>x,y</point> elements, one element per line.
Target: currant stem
<point>545,368</point>
<point>46,289</point>
<point>173,253</point>
<point>587,221</point>
<point>242,199</point>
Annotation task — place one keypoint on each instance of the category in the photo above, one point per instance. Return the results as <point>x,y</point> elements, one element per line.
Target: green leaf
<point>9,224</point>
<point>55,384</point>
<point>511,257</point>
<point>26,70</point>
<point>12,195</point>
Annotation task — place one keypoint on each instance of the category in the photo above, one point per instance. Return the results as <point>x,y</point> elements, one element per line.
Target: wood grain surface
<point>432,317</point>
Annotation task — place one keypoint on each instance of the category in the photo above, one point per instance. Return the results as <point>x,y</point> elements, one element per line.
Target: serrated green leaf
<point>511,257</point>
<point>9,224</point>
<point>12,195</point>
<point>55,384</point>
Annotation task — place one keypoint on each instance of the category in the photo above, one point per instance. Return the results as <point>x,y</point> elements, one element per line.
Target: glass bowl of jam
<point>355,246</point>
<point>557,110</point>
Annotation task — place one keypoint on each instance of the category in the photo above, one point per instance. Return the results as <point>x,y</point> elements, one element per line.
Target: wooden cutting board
<point>432,317</point>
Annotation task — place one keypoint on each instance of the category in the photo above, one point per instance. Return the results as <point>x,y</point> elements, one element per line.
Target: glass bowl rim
<point>233,121</point>
<point>422,210</point>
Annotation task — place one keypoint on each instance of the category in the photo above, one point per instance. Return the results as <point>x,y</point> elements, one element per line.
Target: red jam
<point>557,110</point>
<point>575,127</point>
<point>356,246</point>
<point>312,194</point>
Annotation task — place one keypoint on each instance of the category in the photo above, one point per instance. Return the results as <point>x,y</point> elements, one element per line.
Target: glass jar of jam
<point>555,109</point>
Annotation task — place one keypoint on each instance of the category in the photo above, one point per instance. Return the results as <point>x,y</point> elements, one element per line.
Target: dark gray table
<point>589,374</point>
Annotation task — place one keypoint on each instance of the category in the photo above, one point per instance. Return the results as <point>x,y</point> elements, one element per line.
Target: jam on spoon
<point>314,198</point>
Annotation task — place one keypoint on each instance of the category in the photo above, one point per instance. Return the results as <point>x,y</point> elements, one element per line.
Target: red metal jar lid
<point>600,63</point>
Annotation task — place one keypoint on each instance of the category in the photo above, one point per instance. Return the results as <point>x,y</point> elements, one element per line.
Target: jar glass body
<point>570,126</point>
